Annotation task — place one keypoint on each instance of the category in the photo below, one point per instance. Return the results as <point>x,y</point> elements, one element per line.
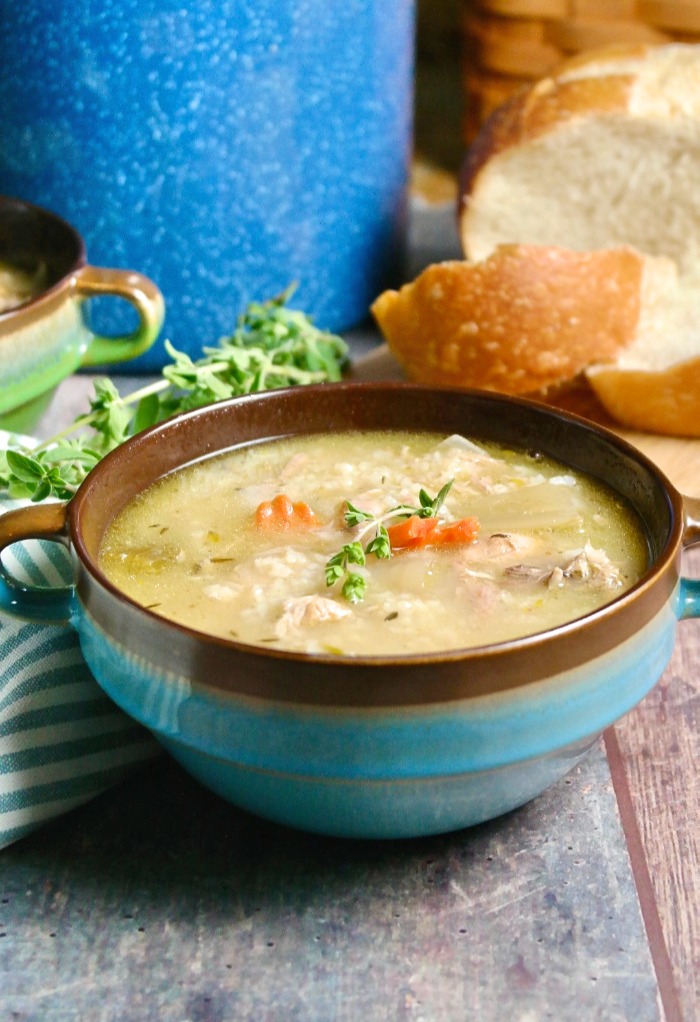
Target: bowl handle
<point>35,603</point>
<point>142,293</point>
<point>689,598</point>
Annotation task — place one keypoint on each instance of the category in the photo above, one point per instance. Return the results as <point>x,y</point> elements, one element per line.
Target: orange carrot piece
<point>453,533</point>
<point>411,533</point>
<point>303,514</point>
<point>283,507</point>
<point>418,532</point>
<point>264,514</point>
<point>281,513</point>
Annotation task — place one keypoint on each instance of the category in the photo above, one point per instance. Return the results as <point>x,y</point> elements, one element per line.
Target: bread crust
<point>666,401</point>
<point>525,319</point>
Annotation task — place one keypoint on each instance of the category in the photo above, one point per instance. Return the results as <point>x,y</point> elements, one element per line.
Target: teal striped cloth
<point>62,741</point>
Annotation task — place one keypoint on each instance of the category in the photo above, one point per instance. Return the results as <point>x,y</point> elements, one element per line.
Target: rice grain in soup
<point>239,545</point>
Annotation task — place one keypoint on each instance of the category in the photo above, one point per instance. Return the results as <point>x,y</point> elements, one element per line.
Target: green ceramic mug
<point>45,338</point>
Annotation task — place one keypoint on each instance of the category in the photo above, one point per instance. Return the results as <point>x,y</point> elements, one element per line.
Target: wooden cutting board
<point>678,459</point>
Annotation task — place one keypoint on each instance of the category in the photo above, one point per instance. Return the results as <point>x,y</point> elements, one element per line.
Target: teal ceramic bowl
<point>45,337</point>
<point>379,747</point>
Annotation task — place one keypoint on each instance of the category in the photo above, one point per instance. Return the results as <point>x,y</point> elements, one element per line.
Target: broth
<point>239,545</point>
<point>18,286</point>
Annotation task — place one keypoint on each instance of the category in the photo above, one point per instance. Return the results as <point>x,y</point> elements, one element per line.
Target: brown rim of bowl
<point>372,680</point>
<point>58,227</point>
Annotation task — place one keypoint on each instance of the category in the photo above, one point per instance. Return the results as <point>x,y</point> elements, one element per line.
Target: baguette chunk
<point>525,319</point>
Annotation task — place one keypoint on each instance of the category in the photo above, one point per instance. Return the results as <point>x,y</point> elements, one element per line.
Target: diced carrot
<point>413,532</point>
<point>264,514</point>
<point>283,507</point>
<point>281,513</point>
<point>452,533</point>
<point>303,514</point>
<point>417,532</point>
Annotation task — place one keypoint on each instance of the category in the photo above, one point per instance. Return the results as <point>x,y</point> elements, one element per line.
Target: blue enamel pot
<point>226,148</point>
<point>369,746</point>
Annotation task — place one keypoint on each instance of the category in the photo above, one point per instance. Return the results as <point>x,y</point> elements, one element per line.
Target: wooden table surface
<point>157,901</point>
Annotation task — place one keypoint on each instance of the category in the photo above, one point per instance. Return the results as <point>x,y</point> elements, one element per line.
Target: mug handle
<point>35,603</point>
<point>139,291</point>
<point>689,598</point>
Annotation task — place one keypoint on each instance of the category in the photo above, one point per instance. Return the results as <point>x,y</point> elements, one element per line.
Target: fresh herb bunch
<point>339,566</point>
<point>272,346</point>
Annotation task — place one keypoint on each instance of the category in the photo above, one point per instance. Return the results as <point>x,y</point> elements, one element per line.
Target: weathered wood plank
<point>660,747</point>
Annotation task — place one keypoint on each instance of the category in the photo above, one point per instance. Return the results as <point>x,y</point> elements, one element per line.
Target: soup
<point>17,286</point>
<point>374,543</point>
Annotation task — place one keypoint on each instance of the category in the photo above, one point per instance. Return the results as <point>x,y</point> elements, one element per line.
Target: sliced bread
<point>535,319</point>
<point>601,154</point>
<point>605,152</point>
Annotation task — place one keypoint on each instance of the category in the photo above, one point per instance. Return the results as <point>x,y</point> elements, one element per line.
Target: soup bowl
<point>369,746</point>
<point>45,337</point>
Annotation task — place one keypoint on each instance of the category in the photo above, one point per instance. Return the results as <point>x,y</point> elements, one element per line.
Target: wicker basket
<point>510,43</point>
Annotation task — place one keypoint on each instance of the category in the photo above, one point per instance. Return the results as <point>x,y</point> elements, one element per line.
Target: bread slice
<point>653,385</point>
<point>605,152</point>
<point>536,319</point>
<point>525,319</point>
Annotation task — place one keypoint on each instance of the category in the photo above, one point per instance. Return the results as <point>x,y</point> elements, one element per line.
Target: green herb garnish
<point>272,346</point>
<point>338,567</point>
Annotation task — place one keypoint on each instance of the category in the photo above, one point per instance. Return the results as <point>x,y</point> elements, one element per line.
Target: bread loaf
<point>580,218</point>
<point>606,152</point>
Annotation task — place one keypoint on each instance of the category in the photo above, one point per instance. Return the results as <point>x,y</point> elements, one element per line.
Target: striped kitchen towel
<point>62,741</point>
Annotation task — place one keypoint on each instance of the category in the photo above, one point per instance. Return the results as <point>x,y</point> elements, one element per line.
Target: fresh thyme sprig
<point>339,566</point>
<point>272,346</point>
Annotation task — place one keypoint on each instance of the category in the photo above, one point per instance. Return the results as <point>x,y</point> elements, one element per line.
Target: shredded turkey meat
<point>586,565</point>
<point>303,611</point>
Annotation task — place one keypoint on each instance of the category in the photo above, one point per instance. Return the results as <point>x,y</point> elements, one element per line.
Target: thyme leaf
<point>338,568</point>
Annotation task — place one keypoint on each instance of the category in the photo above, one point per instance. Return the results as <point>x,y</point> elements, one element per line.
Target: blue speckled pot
<point>371,746</point>
<point>226,147</point>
